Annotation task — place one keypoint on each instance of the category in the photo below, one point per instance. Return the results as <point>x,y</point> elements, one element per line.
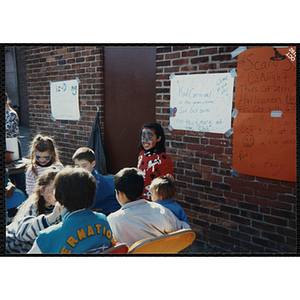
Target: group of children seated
<point>75,209</point>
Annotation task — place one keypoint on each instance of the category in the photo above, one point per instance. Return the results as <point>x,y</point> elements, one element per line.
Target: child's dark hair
<point>130,181</point>
<point>42,143</point>
<point>159,132</point>
<point>42,182</point>
<point>75,188</point>
<point>164,187</point>
<point>84,153</point>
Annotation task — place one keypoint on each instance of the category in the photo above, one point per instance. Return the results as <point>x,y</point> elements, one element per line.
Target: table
<point>17,166</point>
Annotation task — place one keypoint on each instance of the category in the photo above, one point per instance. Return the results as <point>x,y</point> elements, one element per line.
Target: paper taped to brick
<point>201,102</point>
<point>64,100</point>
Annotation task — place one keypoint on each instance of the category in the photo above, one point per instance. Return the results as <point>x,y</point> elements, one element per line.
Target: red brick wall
<point>58,63</point>
<point>244,214</point>
<point>236,214</point>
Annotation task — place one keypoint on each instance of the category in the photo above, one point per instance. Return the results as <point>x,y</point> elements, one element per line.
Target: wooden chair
<point>118,248</point>
<point>169,243</point>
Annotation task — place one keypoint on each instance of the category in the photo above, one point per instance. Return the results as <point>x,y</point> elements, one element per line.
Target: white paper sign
<point>64,100</point>
<point>12,145</point>
<point>201,102</point>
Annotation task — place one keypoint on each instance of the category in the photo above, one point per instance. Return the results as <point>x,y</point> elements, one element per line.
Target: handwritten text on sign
<point>64,100</point>
<point>201,102</point>
<point>264,131</point>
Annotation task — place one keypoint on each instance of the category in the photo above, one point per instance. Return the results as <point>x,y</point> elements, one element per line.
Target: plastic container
<point>9,156</point>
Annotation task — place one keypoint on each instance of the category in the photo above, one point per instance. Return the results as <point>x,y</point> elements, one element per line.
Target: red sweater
<point>153,165</point>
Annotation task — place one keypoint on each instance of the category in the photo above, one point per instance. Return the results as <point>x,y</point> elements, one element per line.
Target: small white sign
<point>65,100</point>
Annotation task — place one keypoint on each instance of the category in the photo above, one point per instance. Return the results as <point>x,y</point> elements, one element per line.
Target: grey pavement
<point>25,140</point>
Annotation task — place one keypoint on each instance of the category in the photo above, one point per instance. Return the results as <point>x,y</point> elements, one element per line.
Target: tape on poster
<point>233,73</point>
<point>229,132</point>
<point>172,76</point>
<point>238,51</point>
<point>234,113</point>
<point>276,113</point>
<point>234,173</point>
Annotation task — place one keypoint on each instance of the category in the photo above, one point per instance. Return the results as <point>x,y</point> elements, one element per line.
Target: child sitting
<point>138,218</point>
<point>81,229</point>
<point>38,212</point>
<point>162,191</point>
<point>13,198</point>
<point>105,199</point>
<point>43,155</point>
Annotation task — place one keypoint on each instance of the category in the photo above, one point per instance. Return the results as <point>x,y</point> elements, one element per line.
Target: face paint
<point>149,139</point>
<point>42,157</point>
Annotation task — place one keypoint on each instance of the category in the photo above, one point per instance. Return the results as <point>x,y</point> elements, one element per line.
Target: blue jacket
<point>105,198</point>
<point>79,231</point>
<point>175,208</point>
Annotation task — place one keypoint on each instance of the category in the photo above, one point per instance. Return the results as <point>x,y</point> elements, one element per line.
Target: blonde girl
<point>43,155</point>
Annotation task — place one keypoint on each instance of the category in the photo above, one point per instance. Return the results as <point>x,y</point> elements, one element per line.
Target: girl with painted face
<point>153,160</point>
<point>38,212</point>
<point>43,155</point>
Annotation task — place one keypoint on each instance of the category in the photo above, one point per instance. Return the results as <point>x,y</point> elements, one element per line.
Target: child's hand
<point>62,210</point>
<point>169,176</point>
<point>55,213</point>
<point>9,190</point>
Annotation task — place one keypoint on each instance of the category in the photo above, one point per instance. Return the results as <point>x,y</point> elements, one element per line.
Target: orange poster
<point>264,130</point>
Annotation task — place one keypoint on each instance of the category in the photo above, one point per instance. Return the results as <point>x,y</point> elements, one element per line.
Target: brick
<point>188,68</point>
<point>280,205</point>
<point>172,55</point>
<point>203,168</point>
<point>221,57</point>
<point>283,214</point>
<point>230,240</point>
<point>212,177</point>
<point>214,149</point>
<point>199,60</point>
<point>208,162</point>
<point>208,51</point>
<point>230,209</point>
<point>275,220</point>
<point>183,61</point>
<point>239,220</point>
<point>241,190</point>
<point>249,230</point>
<point>189,53</point>
<point>263,226</point>
<point>227,224</point>
<point>232,195</point>
<point>251,215</point>
<point>219,229</point>
<point>201,223</point>
<point>196,147</point>
<point>210,204</point>
<point>240,236</point>
<point>234,181</point>
<point>256,200</point>
<point>287,199</point>
<point>213,234</point>
<point>248,206</point>
<point>263,242</point>
<point>274,237</point>
<point>163,49</point>
<point>221,143</point>
<point>214,198</point>
<point>251,247</point>
<point>219,214</point>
